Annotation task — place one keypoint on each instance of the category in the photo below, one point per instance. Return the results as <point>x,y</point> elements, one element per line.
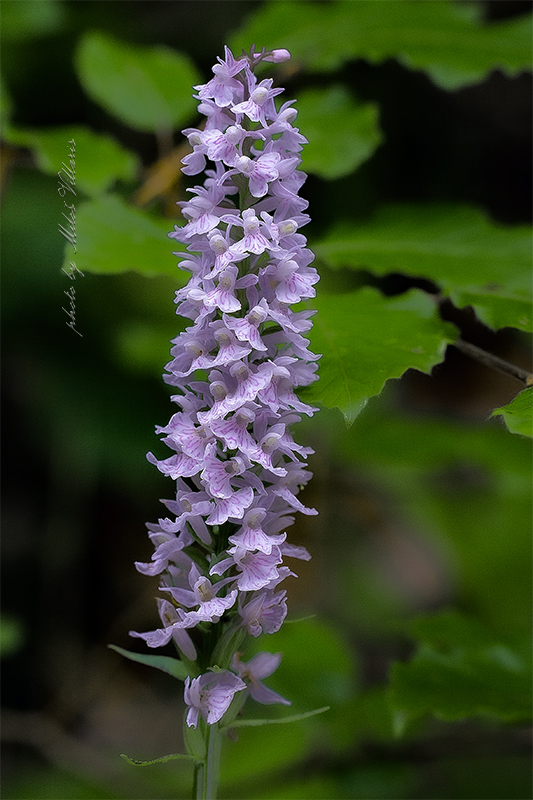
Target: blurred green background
<point>420,582</point>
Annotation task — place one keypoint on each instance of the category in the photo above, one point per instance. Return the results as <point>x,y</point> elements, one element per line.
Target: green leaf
<point>342,133</point>
<point>316,670</point>
<point>147,88</point>
<point>6,107</point>
<point>462,491</point>
<point>12,635</point>
<point>518,414</point>
<point>98,159</point>
<point>443,39</point>
<point>495,309</point>
<point>31,19</point>
<point>472,259</point>
<point>366,339</point>
<point>472,500</point>
<point>461,671</point>
<point>114,237</point>
<point>195,742</point>
<point>162,760</point>
<point>256,723</point>
<point>172,666</point>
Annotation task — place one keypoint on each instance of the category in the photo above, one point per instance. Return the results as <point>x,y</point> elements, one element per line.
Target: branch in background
<point>495,362</point>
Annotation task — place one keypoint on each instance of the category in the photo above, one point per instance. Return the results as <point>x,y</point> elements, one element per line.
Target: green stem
<point>206,773</point>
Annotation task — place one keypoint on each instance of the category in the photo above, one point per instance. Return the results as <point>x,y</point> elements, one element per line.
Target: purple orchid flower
<point>260,666</point>
<point>211,695</point>
<point>220,553</point>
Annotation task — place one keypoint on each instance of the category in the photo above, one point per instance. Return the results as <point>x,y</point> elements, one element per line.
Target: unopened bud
<point>277,56</point>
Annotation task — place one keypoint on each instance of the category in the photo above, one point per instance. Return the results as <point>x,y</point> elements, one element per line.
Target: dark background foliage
<point>424,503</point>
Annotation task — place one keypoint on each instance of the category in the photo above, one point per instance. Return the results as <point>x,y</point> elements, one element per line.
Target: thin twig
<point>495,362</point>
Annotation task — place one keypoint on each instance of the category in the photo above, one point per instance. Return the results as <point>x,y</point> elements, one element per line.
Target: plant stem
<point>206,774</point>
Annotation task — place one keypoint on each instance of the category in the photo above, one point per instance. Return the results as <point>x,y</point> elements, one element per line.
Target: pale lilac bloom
<point>259,100</point>
<point>264,613</point>
<point>175,624</point>
<point>260,666</point>
<point>251,535</point>
<point>235,371</point>
<point>202,596</point>
<point>222,87</point>
<point>253,241</point>
<point>260,171</point>
<point>211,695</point>
<point>256,570</point>
<point>168,548</point>
<point>232,507</point>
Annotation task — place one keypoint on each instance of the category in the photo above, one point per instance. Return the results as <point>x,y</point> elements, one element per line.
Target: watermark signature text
<point>67,183</point>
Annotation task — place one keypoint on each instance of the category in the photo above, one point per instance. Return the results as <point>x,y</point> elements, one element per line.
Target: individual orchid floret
<point>260,172</point>
<point>223,87</point>
<point>259,100</point>
<point>260,666</point>
<point>256,570</point>
<point>202,596</point>
<point>251,535</point>
<point>175,625</point>
<point>264,613</point>
<point>210,695</point>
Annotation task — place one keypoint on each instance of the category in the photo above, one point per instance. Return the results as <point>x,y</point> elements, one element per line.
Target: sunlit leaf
<point>470,258</point>
<point>147,88</point>
<point>461,671</point>
<point>341,132</point>
<point>113,237</point>
<point>518,414</point>
<point>442,38</point>
<point>98,159</point>
<point>172,666</point>
<point>366,339</point>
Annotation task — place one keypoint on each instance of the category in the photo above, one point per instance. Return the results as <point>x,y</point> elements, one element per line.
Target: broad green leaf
<point>317,665</point>
<point>470,258</point>
<point>518,414</point>
<point>161,760</point>
<point>460,670</point>
<point>172,666</point>
<point>142,345</point>
<point>316,670</point>
<point>442,38</point>
<point>31,19</point>
<point>256,723</point>
<point>496,309</point>
<point>365,339</point>
<point>464,491</point>
<point>113,237</point>
<point>98,159</point>
<point>147,88</point>
<point>342,133</point>
<point>280,747</point>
